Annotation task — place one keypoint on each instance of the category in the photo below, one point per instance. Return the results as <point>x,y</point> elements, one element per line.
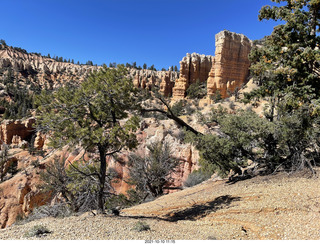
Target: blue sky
<point>158,32</point>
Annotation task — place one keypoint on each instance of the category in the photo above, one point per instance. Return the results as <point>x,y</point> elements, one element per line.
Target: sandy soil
<point>265,207</point>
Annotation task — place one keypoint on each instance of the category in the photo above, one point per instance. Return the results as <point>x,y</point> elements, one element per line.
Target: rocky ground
<point>265,207</point>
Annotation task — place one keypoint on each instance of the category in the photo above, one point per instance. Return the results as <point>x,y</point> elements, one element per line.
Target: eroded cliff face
<point>16,131</point>
<point>231,64</point>
<point>46,72</point>
<point>42,71</point>
<point>193,68</point>
<point>146,79</point>
<point>20,193</point>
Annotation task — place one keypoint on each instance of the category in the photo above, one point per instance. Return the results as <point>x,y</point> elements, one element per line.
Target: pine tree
<point>90,115</point>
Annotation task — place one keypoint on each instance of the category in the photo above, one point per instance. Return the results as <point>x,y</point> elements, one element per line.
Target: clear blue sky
<point>158,32</point>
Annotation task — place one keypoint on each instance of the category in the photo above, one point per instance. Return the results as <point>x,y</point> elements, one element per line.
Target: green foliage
<point>3,43</point>
<point>242,137</point>
<point>4,156</point>
<point>150,173</point>
<point>197,90</point>
<point>177,108</point>
<point>90,114</point>
<point>287,70</point>
<point>216,97</point>
<point>182,107</point>
<point>22,101</point>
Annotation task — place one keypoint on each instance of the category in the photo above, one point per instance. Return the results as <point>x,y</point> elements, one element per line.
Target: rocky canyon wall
<point>193,68</point>
<point>20,193</point>
<point>46,72</point>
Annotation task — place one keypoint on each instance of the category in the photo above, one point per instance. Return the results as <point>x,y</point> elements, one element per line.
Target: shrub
<point>141,226</point>
<point>151,172</point>
<point>117,201</point>
<point>197,90</point>
<point>196,177</point>
<point>38,231</point>
<point>59,210</point>
<point>178,108</point>
<point>77,184</point>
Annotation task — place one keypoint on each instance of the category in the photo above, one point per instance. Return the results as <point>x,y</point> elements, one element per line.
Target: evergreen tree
<point>287,69</point>
<point>145,66</point>
<point>3,42</point>
<point>90,115</point>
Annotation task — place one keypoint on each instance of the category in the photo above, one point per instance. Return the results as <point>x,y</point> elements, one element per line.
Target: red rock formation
<point>231,64</point>
<point>20,194</point>
<point>166,85</point>
<point>17,130</point>
<point>136,81</point>
<point>193,68</point>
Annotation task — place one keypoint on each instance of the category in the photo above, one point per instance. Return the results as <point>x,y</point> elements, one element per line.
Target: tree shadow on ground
<point>201,210</point>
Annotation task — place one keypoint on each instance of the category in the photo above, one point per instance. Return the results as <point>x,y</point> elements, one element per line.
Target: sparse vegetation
<point>37,231</point>
<point>196,177</point>
<point>141,226</point>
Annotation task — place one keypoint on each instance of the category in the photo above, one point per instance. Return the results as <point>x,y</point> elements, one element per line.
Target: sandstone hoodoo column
<point>166,85</point>
<point>231,64</point>
<point>193,68</point>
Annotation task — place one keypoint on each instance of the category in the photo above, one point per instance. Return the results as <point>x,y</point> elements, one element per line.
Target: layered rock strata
<point>231,64</point>
<point>193,68</point>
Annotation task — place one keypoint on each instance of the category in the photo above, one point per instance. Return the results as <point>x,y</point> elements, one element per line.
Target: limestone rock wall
<point>231,64</point>
<point>193,68</point>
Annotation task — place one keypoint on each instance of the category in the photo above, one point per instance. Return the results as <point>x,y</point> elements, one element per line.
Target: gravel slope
<point>269,207</point>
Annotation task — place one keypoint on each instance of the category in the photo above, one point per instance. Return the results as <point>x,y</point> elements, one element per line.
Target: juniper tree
<point>287,69</point>
<point>90,115</point>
